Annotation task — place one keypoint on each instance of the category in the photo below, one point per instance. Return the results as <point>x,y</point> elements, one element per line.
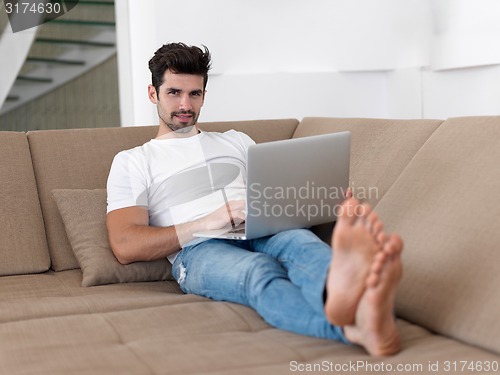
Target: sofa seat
<point>143,328</point>
<point>60,293</point>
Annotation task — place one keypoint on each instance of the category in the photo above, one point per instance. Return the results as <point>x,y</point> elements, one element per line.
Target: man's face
<point>178,101</point>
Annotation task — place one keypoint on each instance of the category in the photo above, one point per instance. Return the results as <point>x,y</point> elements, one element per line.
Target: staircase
<point>63,49</point>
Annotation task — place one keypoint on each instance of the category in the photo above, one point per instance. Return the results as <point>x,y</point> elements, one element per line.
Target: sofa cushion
<point>446,205</point>
<point>75,159</point>
<point>380,149</point>
<point>23,247</point>
<point>227,339</point>
<point>81,159</point>
<point>84,216</point>
<point>36,296</point>
<point>258,130</point>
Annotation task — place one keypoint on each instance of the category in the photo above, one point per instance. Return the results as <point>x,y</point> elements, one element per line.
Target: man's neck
<point>183,133</point>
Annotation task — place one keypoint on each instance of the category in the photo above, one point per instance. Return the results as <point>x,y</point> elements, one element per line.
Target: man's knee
<point>263,271</point>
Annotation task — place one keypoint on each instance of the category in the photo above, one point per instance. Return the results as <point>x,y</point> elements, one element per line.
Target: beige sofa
<point>436,182</point>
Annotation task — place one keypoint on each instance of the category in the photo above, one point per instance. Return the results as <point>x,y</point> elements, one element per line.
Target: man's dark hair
<point>179,58</point>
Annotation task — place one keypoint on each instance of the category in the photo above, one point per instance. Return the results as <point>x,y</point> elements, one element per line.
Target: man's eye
<point>173,92</point>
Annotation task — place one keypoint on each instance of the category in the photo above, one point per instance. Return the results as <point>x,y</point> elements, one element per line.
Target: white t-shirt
<point>182,179</point>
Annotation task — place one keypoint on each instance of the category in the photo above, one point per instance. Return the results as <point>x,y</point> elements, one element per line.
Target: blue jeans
<point>282,277</point>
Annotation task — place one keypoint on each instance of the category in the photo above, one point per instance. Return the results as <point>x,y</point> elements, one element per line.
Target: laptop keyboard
<point>237,231</point>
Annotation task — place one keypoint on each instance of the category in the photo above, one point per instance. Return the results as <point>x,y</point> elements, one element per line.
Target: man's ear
<point>153,98</point>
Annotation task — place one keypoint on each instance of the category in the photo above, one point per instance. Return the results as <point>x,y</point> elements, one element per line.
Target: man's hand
<point>229,215</point>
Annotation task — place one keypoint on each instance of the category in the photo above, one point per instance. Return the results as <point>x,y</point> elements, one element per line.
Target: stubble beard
<point>180,128</point>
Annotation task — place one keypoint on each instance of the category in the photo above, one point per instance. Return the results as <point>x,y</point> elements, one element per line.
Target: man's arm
<point>132,239</point>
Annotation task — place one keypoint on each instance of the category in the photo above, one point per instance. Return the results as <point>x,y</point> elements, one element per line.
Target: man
<point>157,200</point>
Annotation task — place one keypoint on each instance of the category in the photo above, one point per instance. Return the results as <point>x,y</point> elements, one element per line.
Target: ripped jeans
<point>282,277</point>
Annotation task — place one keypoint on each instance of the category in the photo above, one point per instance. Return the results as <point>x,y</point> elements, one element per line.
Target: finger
<point>239,220</point>
<point>348,193</point>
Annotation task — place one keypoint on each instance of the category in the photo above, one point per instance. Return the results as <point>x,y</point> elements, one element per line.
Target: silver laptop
<point>294,183</point>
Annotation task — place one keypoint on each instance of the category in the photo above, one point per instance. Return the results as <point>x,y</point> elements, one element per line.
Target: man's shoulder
<point>225,134</point>
<point>232,136</point>
<point>133,153</point>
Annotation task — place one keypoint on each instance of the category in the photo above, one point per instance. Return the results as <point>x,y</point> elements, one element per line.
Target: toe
<point>393,244</point>
<point>371,221</point>
<point>363,210</point>
<point>348,211</point>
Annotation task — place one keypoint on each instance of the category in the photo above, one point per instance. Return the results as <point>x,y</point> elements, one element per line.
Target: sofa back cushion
<point>23,248</point>
<point>446,205</point>
<point>75,159</point>
<point>81,159</point>
<point>259,130</point>
<point>380,149</point>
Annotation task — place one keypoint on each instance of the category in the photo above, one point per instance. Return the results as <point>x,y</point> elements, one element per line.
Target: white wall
<point>343,58</point>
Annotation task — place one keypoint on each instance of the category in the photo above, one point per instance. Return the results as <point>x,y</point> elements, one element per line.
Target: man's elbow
<point>121,253</point>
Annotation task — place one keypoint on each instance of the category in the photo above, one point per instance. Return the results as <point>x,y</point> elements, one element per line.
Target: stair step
<point>55,61</point>
<point>63,49</point>
<point>34,79</point>
<point>68,32</point>
<point>93,12</point>
<point>48,51</point>
<point>79,42</point>
<point>83,22</point>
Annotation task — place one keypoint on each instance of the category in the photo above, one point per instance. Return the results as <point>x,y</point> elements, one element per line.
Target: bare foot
<point>375,327</point>
<point>355,245</point>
